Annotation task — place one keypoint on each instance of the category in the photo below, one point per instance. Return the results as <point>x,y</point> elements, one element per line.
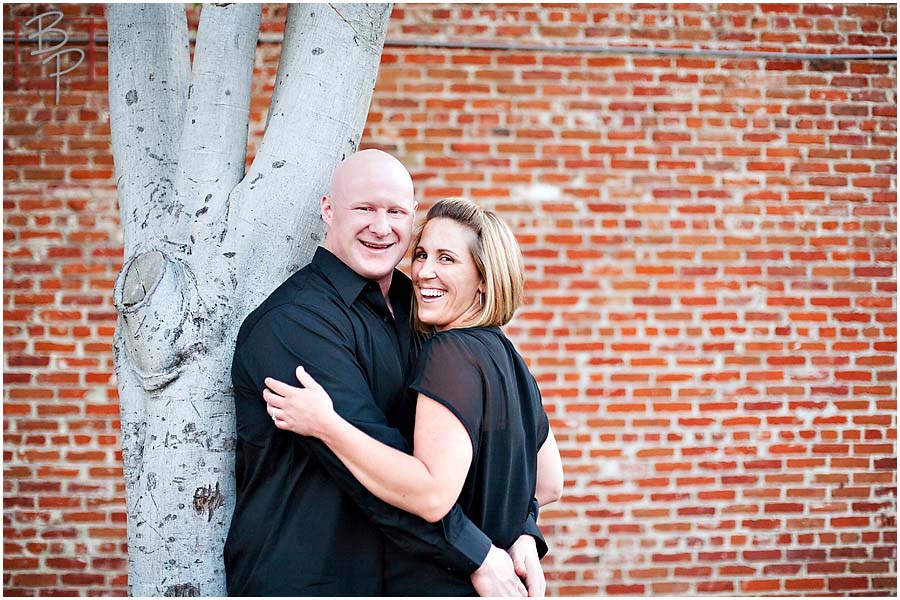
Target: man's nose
<point>379,224</point>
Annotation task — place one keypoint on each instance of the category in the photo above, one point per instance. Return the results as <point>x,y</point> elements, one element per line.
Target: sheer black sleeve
<point>448,373</point>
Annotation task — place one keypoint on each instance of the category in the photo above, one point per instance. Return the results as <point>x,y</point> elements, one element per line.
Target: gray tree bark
<point>205,243</point>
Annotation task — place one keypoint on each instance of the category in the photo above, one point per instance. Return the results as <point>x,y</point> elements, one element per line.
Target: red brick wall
<point>711,312</point>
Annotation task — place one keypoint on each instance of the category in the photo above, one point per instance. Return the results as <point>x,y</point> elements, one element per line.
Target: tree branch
<point>214,142</point>
<point>326,76</point>
<point>149,68</point>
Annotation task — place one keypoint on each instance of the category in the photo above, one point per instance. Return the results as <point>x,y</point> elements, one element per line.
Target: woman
<point>481,436</point>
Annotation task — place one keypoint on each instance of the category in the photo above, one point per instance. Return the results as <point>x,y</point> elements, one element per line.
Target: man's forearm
<point>455,542</point>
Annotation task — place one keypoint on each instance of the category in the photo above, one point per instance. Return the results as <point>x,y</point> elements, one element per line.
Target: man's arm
<point>289,339</point>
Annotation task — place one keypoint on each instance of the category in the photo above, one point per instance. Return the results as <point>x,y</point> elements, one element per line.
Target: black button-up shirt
<point>302,524</point>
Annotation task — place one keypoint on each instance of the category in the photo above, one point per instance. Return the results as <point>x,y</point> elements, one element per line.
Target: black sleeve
<point>543,432</point>
<point>543,427</point>
<point>531,528</point>
<point>449,374</point>
<point>296,336</point>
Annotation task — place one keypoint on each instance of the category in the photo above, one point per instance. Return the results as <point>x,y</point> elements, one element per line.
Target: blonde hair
<point>496,255</point>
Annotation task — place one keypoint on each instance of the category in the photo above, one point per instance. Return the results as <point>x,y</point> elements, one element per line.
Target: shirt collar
<point>349,284</point>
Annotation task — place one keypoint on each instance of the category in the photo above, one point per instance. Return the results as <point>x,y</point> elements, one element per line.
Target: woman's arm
<point>549,472</point>
<point>426,484</point>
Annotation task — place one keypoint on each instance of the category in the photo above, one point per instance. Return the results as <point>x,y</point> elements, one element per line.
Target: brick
<point>847,583</point>
<point>760,585</point>
<point>807,584</point>
<point>34,580</point>
<point>66,564</point>
<point>83,579</point>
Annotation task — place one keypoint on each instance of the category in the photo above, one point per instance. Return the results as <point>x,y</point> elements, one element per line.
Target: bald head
<point>368,167</point>
<point>368,213</point>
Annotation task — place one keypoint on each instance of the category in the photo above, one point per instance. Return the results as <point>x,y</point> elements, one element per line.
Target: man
<point>302,524</point>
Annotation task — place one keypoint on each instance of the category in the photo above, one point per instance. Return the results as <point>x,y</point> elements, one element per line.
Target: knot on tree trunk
<point>161,315</point>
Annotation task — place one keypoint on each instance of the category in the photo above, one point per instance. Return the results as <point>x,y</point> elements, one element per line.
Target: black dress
<point>482,379</point>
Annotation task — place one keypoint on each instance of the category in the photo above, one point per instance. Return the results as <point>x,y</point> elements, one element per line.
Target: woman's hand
<point>305,411</point>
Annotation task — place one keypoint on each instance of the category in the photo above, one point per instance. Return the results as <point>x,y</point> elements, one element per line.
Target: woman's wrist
<point>329,429</point>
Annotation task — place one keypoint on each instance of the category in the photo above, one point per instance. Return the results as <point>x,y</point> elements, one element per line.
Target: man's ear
<point>327,209</point>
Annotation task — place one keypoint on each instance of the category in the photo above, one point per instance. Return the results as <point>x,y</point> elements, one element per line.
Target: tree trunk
<point>204,244</point>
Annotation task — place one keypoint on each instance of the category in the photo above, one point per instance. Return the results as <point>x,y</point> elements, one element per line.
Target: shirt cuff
<point>531,529</point>
<point>472,545</point>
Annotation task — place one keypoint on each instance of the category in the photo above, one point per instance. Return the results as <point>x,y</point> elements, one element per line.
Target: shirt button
<point>385,319</point>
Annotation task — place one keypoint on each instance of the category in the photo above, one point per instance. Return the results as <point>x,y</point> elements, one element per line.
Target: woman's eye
<point>420,256</point>
<point>446,259</point>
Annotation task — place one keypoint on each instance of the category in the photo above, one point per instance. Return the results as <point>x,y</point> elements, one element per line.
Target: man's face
<point>370,219</point>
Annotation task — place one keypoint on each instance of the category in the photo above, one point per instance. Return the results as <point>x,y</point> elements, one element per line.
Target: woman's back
<point>479,376</point>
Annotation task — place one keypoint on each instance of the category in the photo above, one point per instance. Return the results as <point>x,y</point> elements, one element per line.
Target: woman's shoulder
<point>463,337</point>
<point>444,341</point>
<point>462,345</point>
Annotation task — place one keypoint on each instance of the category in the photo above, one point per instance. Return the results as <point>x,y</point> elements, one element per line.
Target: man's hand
<point>497,577</point>
<point>528,566</point>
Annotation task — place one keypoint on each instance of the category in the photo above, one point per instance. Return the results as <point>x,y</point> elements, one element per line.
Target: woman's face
<point>444,275</point>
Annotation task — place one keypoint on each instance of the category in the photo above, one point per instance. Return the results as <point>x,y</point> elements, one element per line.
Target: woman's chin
<point>432,322</point>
